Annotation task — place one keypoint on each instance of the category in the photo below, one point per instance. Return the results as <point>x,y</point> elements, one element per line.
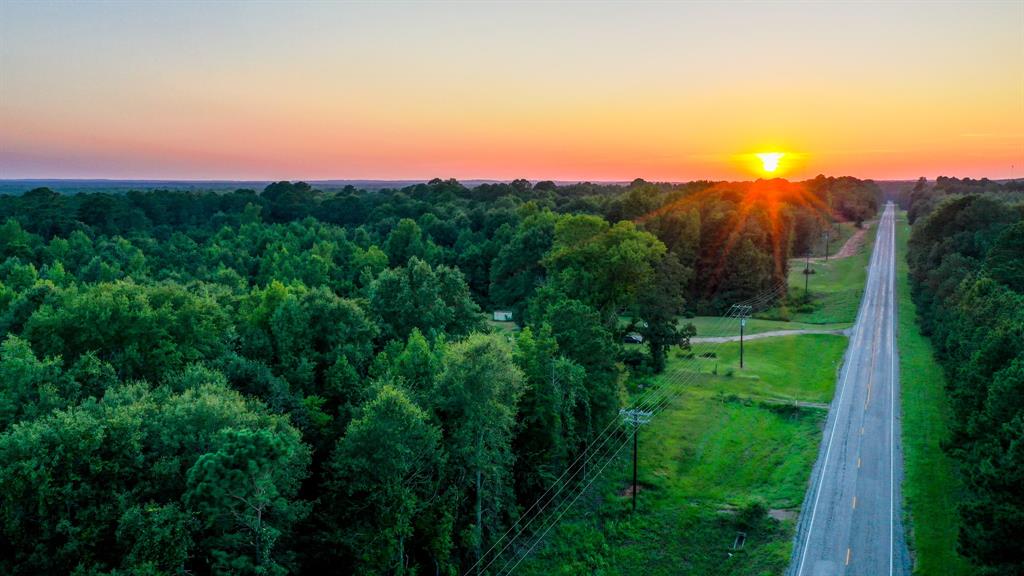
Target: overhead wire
<point>605,446</point>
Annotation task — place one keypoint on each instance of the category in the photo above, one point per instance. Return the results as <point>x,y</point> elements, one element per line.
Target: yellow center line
<point>847,556</point>
<point>876,338</point>
<point>861,430</point>
<point>854,502</point>
<point>858,461</point>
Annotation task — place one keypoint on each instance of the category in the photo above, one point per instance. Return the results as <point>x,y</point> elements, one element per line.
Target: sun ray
<point>767,200</point>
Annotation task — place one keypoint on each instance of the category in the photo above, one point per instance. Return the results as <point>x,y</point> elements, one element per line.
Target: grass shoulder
<point>931,486</point>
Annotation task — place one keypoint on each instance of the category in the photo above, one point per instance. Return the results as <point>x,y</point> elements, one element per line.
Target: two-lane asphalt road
<point>851,518</point>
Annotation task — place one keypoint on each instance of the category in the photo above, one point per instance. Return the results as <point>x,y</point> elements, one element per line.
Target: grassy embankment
<point>930,485</point>
<point>731,446</point>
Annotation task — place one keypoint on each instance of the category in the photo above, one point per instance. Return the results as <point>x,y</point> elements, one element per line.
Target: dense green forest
<point>299,381</point>
<point>966,257</point>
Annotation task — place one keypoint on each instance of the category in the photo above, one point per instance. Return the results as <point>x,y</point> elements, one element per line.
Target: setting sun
<point>770,161</point>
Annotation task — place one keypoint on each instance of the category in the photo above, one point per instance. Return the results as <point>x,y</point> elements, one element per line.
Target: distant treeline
<point>966,259</point>
<point>923,196</point>
<point>296,381</point>
<point>466,227</point>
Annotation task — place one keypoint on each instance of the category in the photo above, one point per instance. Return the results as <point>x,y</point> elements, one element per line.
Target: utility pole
<point>828,228</point>
<point>635,418</point>
<point>807,275</point>
<point>743,312</point>
<point>743,322</point>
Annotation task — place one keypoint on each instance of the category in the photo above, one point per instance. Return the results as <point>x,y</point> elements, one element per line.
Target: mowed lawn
<point>710,326</point>
<point>795,368</point>
<point>724,442</point>
<point>835,287</point>
<point>930,485</point>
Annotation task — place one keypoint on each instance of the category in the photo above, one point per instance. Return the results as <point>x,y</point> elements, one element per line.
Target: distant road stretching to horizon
<point>851,519</point>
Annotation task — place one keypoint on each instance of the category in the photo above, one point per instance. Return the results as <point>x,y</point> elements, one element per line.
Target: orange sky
<point>599,91</point>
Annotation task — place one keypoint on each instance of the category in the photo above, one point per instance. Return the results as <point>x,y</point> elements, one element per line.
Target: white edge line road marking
<point>832,436</point>
<point>892,403</point>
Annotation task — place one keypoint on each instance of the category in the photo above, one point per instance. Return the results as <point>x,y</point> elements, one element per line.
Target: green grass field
<point>780,368</point>
<point>835,288</point>
<point>717,326</point>
<point>930,486</point>
<point>728,440</point>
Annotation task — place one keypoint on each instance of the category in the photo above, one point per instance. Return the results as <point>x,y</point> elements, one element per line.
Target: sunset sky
<point>570,91</point>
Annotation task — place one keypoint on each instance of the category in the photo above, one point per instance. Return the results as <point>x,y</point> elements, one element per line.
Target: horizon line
<point>568,181</point>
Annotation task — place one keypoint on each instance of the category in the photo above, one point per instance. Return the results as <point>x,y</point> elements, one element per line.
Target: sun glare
<point>770,161</point>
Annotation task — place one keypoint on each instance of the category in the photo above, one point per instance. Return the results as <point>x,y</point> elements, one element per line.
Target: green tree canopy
<point>100,486</point>
<point>383,473</point>
<point>476,399</point>
<point>602,265</point>
<point>432,300</point>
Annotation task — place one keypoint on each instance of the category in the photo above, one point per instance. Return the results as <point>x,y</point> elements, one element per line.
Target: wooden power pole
<point>743,312</point>
<point>635,418</point>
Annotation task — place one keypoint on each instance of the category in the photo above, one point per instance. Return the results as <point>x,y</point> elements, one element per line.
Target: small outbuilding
<point>502,316</point>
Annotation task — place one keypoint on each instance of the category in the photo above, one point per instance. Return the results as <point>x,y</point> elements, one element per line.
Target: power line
<point>611,443</point>
<point>668,395</point>
<point>653,401</point>
<point>578,466</point>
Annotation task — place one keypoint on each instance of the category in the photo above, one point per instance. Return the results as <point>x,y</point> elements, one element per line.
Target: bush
<point>751,514</point>
<point>781,314</point>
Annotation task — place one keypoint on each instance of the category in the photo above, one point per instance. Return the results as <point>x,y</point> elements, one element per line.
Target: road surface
<point>851,520</point>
